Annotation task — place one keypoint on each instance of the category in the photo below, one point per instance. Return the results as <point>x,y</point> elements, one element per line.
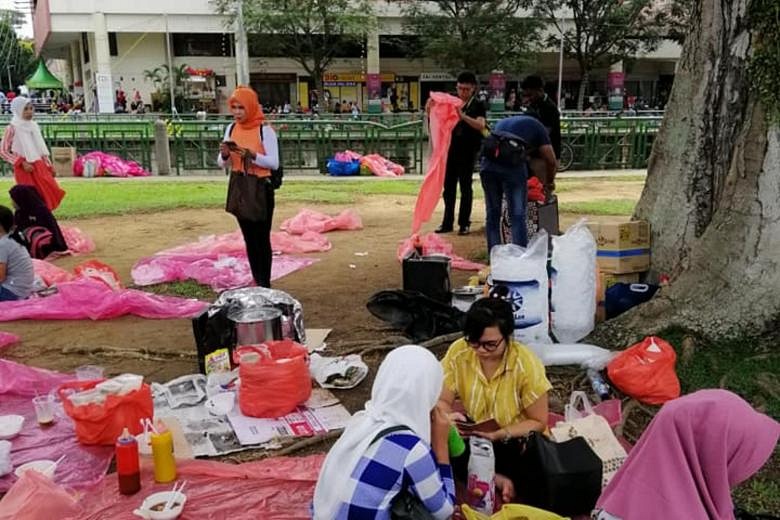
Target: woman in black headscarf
<point>34,220</point>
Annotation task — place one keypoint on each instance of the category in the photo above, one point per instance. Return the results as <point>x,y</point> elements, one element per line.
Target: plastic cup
<point>44,409</point>
<point>89,373</point>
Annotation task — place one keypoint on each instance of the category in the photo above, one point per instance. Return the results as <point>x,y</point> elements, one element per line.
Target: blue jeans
<point>7,296</point>
<point>515,185</point>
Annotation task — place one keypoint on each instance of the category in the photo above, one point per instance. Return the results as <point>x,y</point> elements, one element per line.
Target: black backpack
<point>504,148</point>
<point>277,175</point>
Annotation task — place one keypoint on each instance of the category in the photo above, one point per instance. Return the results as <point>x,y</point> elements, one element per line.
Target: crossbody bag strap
<point>388,431</point>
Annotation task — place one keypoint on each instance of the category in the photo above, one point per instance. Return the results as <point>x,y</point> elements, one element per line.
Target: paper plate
<point>10,426</point>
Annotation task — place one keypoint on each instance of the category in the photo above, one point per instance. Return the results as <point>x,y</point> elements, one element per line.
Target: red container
<point>127,466</point>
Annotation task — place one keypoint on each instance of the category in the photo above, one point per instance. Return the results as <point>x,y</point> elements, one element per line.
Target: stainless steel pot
<point>257,325</point>
<point>463,297</point>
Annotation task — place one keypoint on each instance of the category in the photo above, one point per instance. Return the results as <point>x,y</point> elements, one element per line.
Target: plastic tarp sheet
<point>78,241</point>
<point>380,166</point>
<point>90,299</point>
<point>435,244</point>
<point>310,220</point>
<point>84,465</point>
<point>7,339</point>
<point>279,488</point>
<point>109,165</point>
<point>443,118</point>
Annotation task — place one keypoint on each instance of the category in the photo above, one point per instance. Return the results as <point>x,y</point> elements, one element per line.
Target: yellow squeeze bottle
<point>162,454</point>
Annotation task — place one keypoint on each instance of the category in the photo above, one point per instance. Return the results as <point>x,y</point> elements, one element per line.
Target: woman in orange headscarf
<point>250,150</point>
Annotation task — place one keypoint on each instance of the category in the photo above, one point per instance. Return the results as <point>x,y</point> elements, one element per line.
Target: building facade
<point>113,45</point>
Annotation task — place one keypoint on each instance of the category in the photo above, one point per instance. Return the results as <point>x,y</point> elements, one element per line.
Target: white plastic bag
<point>573,305</point>
<point>481,485</point>
<point>5,458</point>
<point>522,273</point>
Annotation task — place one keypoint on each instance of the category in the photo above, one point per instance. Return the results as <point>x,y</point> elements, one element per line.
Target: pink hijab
<point>696,450</point>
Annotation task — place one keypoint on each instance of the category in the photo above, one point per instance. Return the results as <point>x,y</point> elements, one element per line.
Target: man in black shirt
<point>539,105</point>
<point>465,144</point>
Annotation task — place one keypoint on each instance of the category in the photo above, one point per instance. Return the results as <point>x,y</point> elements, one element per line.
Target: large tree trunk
<point>585,75</point>
<point>713,193</point>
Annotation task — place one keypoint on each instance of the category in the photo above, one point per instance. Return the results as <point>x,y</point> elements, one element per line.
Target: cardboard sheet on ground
<point>315,339</point>
<point>89,299</point>
<point>83,466</point>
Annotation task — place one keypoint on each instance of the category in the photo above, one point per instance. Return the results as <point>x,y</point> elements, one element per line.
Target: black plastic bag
<point>419,316</point>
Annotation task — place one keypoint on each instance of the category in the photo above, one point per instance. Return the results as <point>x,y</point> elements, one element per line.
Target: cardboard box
<point>622,247</point>
<point>605,281</point>
<point>62,159</point>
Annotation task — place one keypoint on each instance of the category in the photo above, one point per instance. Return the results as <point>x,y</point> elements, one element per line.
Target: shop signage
<point>437,76</point>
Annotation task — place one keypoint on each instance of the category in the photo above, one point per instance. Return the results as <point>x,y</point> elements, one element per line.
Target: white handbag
<point>595,430</point>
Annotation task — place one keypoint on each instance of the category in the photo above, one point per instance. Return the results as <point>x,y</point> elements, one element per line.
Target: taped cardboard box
<point>623,247</point>
<point>62,159</point>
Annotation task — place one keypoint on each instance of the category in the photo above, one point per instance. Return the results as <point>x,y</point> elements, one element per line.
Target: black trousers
<point>257,237</point>
<point>460,169</point>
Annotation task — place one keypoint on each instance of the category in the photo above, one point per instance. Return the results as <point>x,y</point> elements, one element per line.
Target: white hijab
<point>28,141</point>
<point>406,388</point>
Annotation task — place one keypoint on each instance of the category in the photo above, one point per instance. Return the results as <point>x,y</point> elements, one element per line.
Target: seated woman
<point>16,267</point>
<point>495,378</point>
<point>397,444</point>
<point>34,220</point>
<point>697,449</point>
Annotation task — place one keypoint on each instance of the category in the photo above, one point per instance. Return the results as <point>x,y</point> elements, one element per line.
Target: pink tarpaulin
<point>317,222</point>
<point>279,488</point>
<point>78,241</point>
<point>226,272</point>
<point>381,167</point>
<point>109,165</point>
<point>435,244</point>
<point>90,299</point>
<point>443,118</point>
<point>83,466</point>
<point>7,339</point>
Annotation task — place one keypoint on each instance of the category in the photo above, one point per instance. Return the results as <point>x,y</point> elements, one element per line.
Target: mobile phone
<point>232,145</point>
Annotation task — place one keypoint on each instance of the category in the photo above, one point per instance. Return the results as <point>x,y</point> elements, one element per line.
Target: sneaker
<point>464,230</point>
<point>443,229</point>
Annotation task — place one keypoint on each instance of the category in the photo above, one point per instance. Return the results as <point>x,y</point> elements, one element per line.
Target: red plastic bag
<point>103,423</point>
<point>99,271</point>
<point>645,371</point>
<point>274,377</point>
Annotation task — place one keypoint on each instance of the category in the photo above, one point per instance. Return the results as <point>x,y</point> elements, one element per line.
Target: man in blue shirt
<point>499,179</point>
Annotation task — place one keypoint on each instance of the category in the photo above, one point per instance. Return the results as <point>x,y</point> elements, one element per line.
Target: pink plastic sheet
<point>317,222</point>
<point>381,167</point>
<point>279,488</point>
<point>89,299</point>
<point>84,465</point>
<point>435,244</point>
<point>443,118</point>
<point>78,241</point>
<point>309,242</point>
<point>36,497</point>
<point>109,165</point>
<point>226,272</point>
<point>7,339</point>
<point>50,273</point>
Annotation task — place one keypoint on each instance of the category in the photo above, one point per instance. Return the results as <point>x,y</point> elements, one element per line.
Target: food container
<point>153,501</point>
<point>129,382</point>
<point>89,373</point>
<point>463,297</point>
<point>86,397</point>
<point>44,467</point>
<point>257,325</point>
<point>10,426</point>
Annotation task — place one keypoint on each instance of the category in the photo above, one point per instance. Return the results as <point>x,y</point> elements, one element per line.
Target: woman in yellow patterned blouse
<point>495,377</point>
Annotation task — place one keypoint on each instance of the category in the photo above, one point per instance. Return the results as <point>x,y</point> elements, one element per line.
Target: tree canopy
<point>17,56</point>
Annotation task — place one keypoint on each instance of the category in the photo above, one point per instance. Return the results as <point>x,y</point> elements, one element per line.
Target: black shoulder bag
<point>504,148</point>
<point>406,506</point>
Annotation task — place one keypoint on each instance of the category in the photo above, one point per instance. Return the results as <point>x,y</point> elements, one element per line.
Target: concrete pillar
<point>373,76</point>
<point>85,78</point>
<point>75,62</point>
<point>242,47</point>
<point>102,65</point>
<point>162,149</point>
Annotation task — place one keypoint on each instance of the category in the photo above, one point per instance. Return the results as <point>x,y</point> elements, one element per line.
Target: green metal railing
<point>306,144</point>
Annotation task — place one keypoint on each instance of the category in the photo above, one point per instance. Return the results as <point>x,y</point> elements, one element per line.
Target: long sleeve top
<point>270,159</point>
<point>6,153</point>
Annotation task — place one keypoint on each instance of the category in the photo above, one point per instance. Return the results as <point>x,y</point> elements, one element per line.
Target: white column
<point>102,65</point>
<point>372,52</point>
<point>85,78</point>
<point>75,63</point>
<point>373,81</point>
<point>242,46</point>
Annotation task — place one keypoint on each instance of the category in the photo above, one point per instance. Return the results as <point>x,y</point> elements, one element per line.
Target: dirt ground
<point>332,293</point>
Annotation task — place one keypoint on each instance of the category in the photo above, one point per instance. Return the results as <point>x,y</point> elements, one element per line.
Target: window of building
<point>113,48</point>
<point>221,80</point>
<point>202,44</point>
<point>278,45</point>
<point>399,46</point>
<point>85,46</point>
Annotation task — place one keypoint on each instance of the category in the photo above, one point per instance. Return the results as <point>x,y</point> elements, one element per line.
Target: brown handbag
<point>248,197</point>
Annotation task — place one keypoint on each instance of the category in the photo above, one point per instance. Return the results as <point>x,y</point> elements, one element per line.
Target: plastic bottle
<point>455,443</point>
<point>162,454</point>
<point>598,384</point>
<point>127,466</point>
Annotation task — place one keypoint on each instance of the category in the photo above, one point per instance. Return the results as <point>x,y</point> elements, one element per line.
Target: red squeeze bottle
<point>127,465</point>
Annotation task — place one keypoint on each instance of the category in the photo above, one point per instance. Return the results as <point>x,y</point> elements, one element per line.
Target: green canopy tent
<point>42,79</point>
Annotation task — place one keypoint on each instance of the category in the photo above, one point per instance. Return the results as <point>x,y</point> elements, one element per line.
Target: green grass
<point>599,207</point>
<point>185,289</point>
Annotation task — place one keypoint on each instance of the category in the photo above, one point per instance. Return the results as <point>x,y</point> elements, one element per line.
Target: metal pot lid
<point>254,315</point>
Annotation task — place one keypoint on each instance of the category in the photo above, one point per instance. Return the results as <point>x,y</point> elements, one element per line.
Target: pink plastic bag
<point>309,220</point>
<point>308,242</point>
<point>78,241</point>
<point>35,497</point>
<point>88,299</point>
<point>50,273</point>
<point>110,165</point>
<point>443,118</point>
<point>435,244</point>
<point>84,466</point>
<point>382,167</point>
<point>7,339</point>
